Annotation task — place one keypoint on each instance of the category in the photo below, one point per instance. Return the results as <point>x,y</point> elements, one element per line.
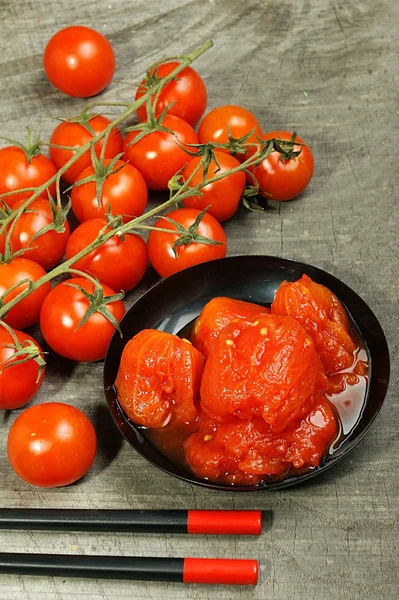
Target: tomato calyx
<point>250,198</point>
<point>151,78</point>
<point>23,353</point>
<point>7,216</point>
<point>31,147</point>
<point>83,119</point>
<point>287,148</point>
<point>152,124</point>
<point>235,145</point>
<point>101,172</point>
<point>207,151</point>
<point>188,235</point>
<point>60,215</point>
<point>96,299</point>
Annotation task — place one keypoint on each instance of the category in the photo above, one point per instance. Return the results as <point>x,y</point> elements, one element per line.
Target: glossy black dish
<point>175,302</point>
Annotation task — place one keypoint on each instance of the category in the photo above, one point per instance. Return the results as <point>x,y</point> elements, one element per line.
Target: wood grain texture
<point>329,70</point>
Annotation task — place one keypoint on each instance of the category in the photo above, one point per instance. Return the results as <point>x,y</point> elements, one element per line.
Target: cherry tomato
<point>17,172</point>
<point>18,382</point>
<point>47,249</point>
<point>70,133</point>
<point>124,193</point>
<point>159,378</point>
<point>61,314</point>
<point>27,311</point>
<point>158,156</point>
<point>187,93</point>
<point>280,178</point>
<point>79,61</point>
<point>51,445</point>
<point>223,196</point>
<point>119,262</point>
<point>215,125</point>
<point>160,244</point>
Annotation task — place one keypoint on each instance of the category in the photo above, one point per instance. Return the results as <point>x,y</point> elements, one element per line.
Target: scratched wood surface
<point>329,69</point>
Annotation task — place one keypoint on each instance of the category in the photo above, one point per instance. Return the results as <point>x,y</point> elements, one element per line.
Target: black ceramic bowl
<point>174,302</point>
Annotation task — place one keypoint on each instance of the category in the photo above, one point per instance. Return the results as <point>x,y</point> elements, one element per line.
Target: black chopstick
<point>183,570</point>
<point>230,522</point>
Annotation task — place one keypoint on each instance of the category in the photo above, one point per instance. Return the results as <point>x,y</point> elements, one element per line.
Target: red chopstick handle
<point>220,571</point>
<point>228,522</point>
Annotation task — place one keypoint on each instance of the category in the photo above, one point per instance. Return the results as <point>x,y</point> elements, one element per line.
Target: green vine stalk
<point>178,190</point>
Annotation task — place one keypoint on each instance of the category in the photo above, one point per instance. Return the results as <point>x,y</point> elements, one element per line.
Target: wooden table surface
<point>330,71</point>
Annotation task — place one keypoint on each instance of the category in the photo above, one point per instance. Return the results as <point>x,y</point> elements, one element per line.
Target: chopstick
<point>183,570</point>
<point>216,522</point>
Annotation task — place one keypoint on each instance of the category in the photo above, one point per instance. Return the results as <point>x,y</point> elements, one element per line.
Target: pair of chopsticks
<point>185,570</point>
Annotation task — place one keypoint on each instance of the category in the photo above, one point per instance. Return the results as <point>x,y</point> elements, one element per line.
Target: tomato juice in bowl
<point>254,279</point>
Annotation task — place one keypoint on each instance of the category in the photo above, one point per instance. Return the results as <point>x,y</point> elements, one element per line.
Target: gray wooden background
<point>329,69</point>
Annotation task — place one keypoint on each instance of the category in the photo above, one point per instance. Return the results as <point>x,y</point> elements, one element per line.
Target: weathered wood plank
<point>329,70</point>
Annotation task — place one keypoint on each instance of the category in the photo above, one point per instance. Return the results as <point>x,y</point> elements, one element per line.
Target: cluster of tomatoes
<point>109,182</point>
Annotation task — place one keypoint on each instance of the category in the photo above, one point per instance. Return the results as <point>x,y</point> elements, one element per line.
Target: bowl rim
<point>347,444</point>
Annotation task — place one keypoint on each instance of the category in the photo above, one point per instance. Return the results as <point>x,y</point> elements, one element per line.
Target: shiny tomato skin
<point>159,378</point>
<point>160,243</point>
<point>216,315</point>
<point>19,383</point>
<point>27,312</point>
<point>16,172</point>
<point>158,156</point>
<point>214,126</point>
<point>280,179</point>
<point>119,263</point>
<point>187,93</point>
<point>51,445</point>
<point>223,196</point>
<point>322,315</point>
<point>124,193</point>
<point>76,135</point>
<point>79,61</point>
<point>47,249</point>
<point>61,314</point>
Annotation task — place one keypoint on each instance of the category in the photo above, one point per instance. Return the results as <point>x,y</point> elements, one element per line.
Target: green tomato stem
<point>181,193</point>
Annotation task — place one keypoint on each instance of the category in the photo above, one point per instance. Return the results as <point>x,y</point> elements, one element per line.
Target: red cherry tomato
<point>280,178</point>
<point>187,93</point>
<point>79,61</point>
<point>69,133</point>
<point>18,382</point>
<point>17,172</point>
<point>160,244</point>
<point>223,196</point>
<point>61,314</point>
<point>119,262</point>
<point>51,445</point>
<point>47,249</point>
<point>124,193</point>
<point>27,311</point>
<point>214,127</point>
<point>158,156</point>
